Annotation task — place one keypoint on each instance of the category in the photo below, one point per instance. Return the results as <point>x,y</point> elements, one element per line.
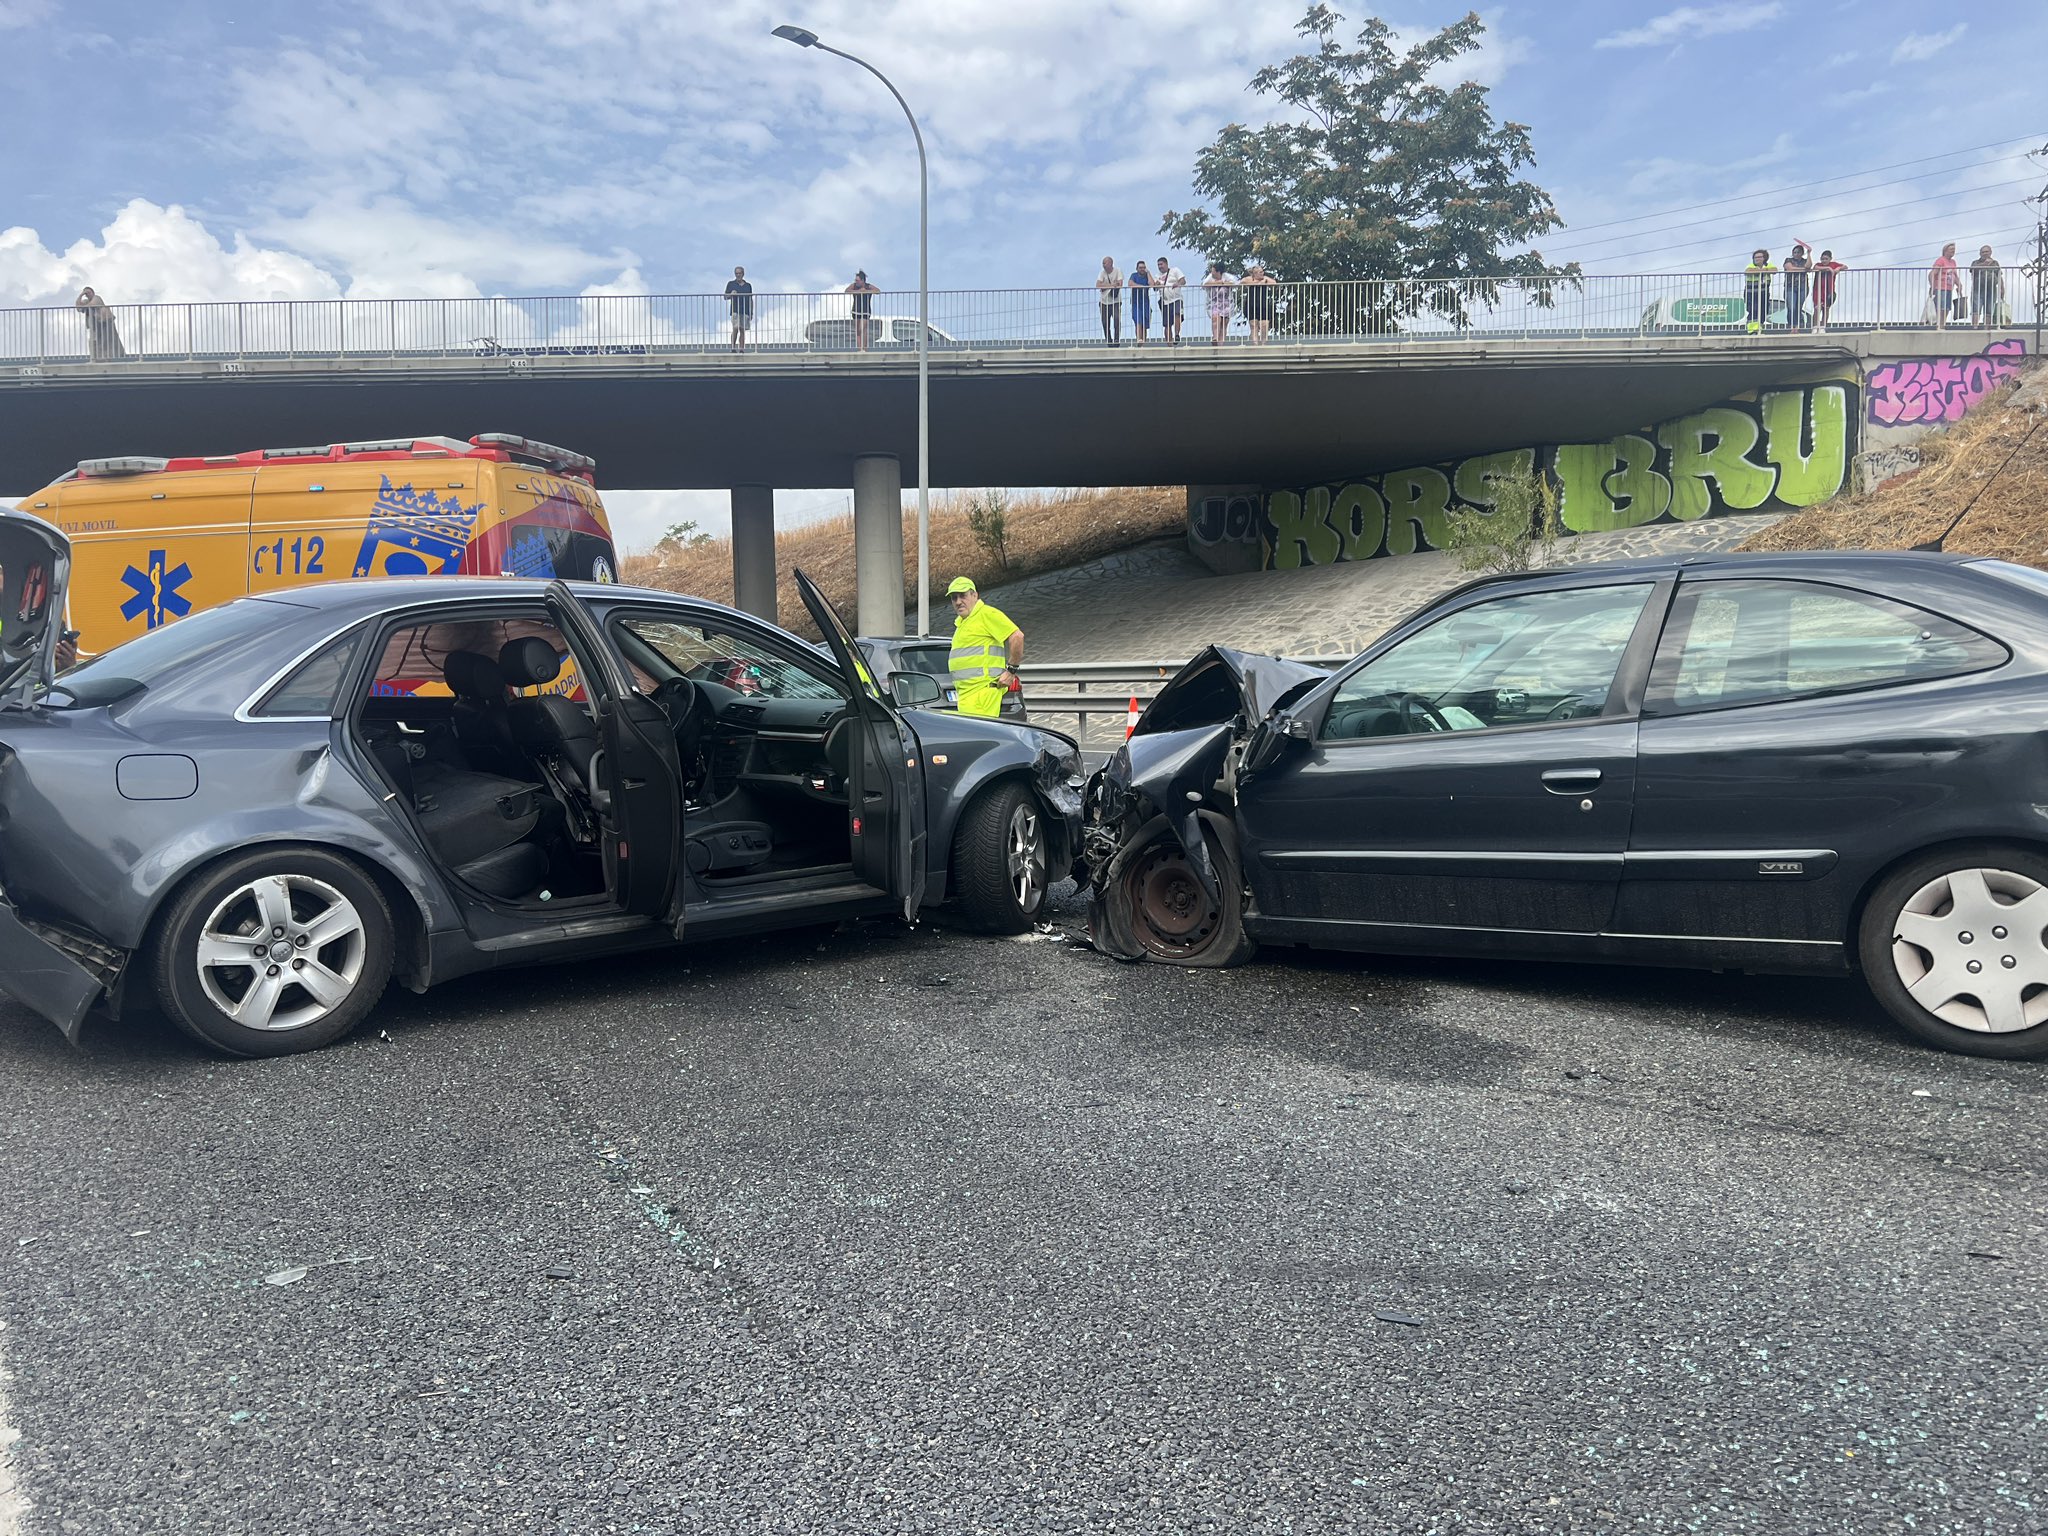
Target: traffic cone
<point>1131,719</point>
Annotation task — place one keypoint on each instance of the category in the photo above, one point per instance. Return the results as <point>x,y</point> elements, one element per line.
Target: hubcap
<point>1172,915</point>
<point>1026,853</point>
<point>1972,949</point>
<point>281,952</point>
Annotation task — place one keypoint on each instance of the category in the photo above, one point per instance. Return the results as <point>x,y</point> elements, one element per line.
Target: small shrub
<point>1516,534</point>
<point>986,520</point>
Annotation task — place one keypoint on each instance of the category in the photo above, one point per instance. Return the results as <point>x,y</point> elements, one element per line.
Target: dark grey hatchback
<point>1777,763</point>
<point>261,813</point>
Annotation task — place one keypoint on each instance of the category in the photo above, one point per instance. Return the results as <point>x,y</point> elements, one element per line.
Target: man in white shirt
<point>1172,286</point>
<point>1109,291</point>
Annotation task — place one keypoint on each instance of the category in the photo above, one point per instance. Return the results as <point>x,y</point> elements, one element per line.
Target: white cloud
<point>151,255</point>
<point>1860,94</point>
<point>1691,22</point>
<point>1916,47</point>
<point>23,13</point>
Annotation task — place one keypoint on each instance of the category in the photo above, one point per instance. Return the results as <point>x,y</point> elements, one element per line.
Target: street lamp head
<point>799,36</point>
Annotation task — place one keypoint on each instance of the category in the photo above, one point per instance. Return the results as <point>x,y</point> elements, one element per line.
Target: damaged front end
<point>1159,828</point>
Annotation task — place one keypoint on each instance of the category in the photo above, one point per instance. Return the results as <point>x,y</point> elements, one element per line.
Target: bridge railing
<point>1322,315</point>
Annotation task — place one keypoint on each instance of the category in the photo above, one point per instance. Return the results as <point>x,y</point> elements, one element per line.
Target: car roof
<point>375,594</point>
<point>1841,562</point>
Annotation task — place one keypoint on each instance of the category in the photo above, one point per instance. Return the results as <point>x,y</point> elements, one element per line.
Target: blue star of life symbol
<point>156,593</point>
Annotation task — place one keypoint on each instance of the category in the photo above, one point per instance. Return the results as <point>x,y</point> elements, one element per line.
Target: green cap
<point>960,584</point>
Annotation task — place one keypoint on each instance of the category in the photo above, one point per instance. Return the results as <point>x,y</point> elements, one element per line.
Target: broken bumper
<point>39,971</point>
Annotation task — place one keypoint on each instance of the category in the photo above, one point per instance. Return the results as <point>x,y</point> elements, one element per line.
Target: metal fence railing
<point>1337,314</point>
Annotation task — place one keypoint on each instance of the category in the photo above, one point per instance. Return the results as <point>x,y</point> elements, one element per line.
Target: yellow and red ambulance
<point>154,539</point>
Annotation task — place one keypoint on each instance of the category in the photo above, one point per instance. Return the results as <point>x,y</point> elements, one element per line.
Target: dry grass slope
<point>1991,468</point>
<point>1045,533</point>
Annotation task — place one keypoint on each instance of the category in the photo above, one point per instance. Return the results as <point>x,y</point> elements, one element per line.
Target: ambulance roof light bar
<point>546,453</point>
<point>133,465</point>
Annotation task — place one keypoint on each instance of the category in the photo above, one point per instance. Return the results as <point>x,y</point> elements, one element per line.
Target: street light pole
<point>807,39</point>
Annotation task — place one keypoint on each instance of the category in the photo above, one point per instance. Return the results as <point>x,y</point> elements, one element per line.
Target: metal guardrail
<point>1334,314</point>
<point>1104,689</point>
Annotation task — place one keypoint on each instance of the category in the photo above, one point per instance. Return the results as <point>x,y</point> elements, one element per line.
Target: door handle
<point>1571,781</point>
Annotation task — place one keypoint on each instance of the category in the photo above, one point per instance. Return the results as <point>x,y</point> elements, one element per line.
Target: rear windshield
<point>163,652</point>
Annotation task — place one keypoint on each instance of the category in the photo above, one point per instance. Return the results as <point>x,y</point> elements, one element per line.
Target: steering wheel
<point>1417,714</point>
<point>1564,708</point>
<point>677,698</point>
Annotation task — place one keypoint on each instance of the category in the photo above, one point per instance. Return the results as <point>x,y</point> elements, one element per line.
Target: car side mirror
<point>916,690</point>
<point>1270,743</point>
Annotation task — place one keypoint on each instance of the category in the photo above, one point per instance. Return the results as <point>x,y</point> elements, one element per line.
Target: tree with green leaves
<point>1379,175</point>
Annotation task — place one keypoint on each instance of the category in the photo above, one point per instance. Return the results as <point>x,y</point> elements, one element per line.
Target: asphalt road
<point>898,1231</point>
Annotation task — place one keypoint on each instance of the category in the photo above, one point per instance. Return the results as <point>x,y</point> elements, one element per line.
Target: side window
<point>1745,642</point>
<point>1531,659</point>
<point>311,688</point>
<point>706,654</point>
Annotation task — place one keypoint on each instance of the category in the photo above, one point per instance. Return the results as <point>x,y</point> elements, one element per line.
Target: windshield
<point>173,647</point>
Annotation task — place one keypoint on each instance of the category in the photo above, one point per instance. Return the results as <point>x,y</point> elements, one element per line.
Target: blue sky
<point>179,149</point>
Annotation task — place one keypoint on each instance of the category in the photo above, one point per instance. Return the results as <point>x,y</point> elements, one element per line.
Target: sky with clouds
<point>176,149</point>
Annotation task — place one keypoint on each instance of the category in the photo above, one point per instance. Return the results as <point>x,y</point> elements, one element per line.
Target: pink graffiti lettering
<point>1939,389</point>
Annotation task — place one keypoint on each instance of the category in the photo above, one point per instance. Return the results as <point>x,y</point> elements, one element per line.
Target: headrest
<point>473,676</point>
<point>529,662</point>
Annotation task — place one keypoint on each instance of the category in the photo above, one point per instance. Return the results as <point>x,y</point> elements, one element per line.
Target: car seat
<point>547,725</point>
<point>483,723</point>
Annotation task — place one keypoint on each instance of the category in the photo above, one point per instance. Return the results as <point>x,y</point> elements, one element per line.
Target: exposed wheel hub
<point>1171,914</point>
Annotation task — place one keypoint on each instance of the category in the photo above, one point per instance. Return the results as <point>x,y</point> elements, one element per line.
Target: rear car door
<point>636,781</point>
<point>1476,775</point>
<point>1796,734</point>
<point>885,790</point>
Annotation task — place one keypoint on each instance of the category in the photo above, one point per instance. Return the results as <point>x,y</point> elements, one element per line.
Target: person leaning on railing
<point>102,338</point>
<point>1756,289</point>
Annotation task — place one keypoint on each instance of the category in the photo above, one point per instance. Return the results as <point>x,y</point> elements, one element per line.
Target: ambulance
<point>154,539</point>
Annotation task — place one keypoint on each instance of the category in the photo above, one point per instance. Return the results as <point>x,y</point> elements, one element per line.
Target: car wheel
<point>1001,865</point>
<point>1159,908</point>
<point>1955,946</point>
<point>276,952</point>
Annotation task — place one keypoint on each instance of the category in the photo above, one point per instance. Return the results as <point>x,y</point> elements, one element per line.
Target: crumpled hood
<point>1221,684</point>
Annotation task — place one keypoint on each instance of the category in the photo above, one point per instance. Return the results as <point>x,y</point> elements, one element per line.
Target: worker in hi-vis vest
<point>987,651</point>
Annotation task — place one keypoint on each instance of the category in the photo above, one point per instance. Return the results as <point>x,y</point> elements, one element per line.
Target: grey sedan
<point>260,814</point>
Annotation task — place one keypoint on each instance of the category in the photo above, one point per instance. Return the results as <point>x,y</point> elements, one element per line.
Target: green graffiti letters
<point>1789,447</point>
<point>1604,486</point>
<point>1416,502</point>
<point>1807,431</point>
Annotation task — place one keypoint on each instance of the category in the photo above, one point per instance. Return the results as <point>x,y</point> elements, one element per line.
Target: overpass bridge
<point>661,402</point>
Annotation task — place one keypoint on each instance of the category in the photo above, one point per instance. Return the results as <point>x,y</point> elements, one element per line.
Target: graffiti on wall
<point>1928,391</point>
<point>1786,448</point>
<point>1881,466</point>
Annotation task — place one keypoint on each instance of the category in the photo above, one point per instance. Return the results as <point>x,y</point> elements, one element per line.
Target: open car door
<point>885,796</point>
<point>35,565</point>
<point>636,780</point>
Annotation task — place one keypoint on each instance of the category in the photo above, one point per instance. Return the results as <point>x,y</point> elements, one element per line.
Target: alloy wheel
<point>281,952</point>
<point>1025,854</point>
<point>1971,947</point>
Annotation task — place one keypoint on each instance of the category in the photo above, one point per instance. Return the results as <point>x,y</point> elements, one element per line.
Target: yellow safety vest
<point>979,655</point>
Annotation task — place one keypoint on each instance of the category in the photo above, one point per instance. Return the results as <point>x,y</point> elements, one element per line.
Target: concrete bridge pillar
<point>753,550</point>
<point>878,543</point>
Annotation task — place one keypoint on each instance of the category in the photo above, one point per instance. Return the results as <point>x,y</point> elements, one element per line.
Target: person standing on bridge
<point>1172,284</point>
<point>1987,288</point>
<point>1944,287</point>
<point>1756,290</point>
<point>1798,271</point>
<point>1141,303</point>
<point>739,298</point>
<point>987,651</point>
<point>1824,272</point>
<point>1109,298</point>
<point>102,339</point>
<point>863,293</point>
<point>1217,286</point>
<point>1255,293</point>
